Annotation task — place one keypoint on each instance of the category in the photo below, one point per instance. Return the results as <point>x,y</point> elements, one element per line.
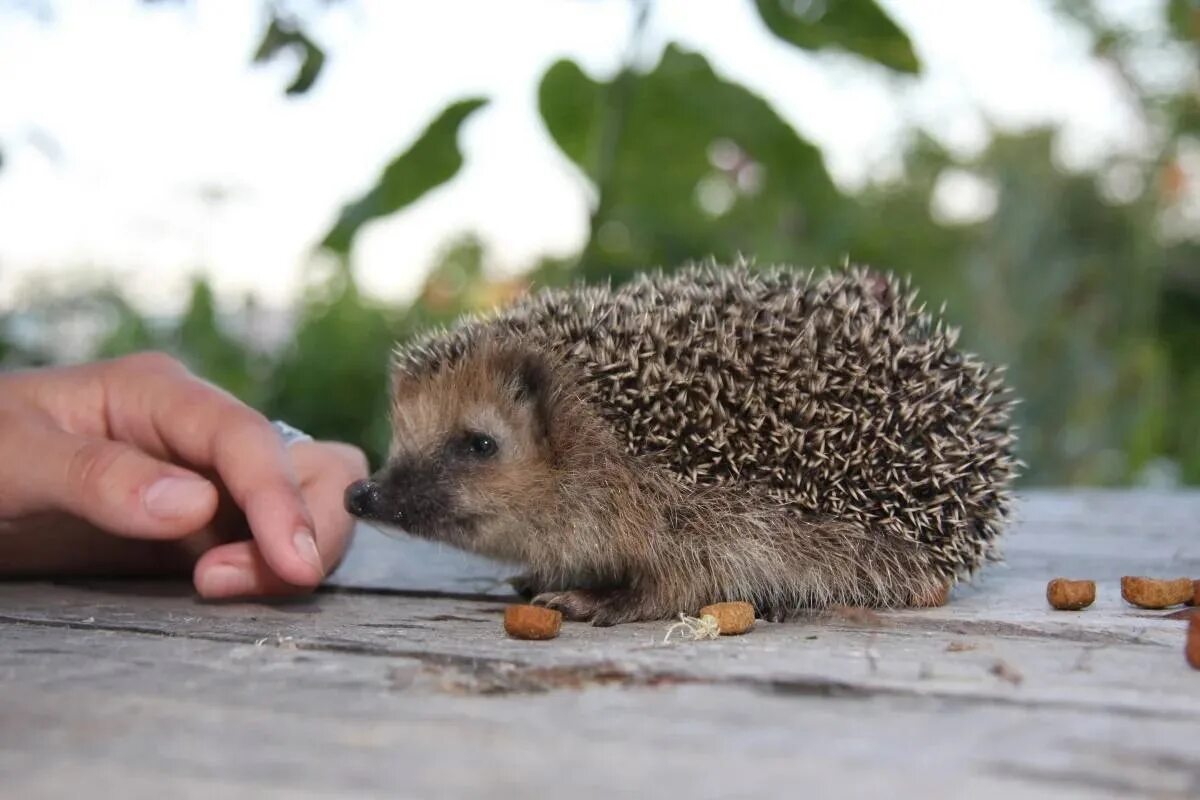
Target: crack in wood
<point>1016,630</point>
<point>826,687</point>
<point>454,618</point>
<point>494,676</point>
<point>1076,778</point>
<point>500,678</point>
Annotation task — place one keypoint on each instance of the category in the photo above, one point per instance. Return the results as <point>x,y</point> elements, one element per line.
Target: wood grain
<point>399,681</point>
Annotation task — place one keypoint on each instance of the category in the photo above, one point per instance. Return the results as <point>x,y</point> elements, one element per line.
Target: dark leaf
<point>429,162</point>
<point>569,102</point>
<point>282,35</point>
<point>859,26</point>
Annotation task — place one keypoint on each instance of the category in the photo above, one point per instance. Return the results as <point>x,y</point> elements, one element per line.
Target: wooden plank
<point>1131,665</point>
<point>1109,655</point>
<point>117,684</point>
<point>155,716</point>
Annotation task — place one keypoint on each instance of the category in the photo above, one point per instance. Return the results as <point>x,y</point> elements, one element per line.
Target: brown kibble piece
<point>1153,593</point>
<point>1192,648</point>
<point>934,597</point>
<point>1068,595</point>
<point>532,622</point>
<point>732,618</point>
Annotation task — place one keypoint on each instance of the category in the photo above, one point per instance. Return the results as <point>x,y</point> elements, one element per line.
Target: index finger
<point>152,401</point>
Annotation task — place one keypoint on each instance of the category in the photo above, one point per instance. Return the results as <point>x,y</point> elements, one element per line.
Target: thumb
<point>111,485</point>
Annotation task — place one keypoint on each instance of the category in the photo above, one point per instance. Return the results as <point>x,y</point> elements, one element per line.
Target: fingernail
<point>170,498</point>
<point>225,580</point>
<point>306,548</point>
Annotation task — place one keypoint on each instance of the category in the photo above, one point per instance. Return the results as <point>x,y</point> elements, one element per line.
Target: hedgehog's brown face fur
<point>470,453</point>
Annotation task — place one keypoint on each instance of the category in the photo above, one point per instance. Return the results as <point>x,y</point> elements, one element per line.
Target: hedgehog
<point>785,437</point>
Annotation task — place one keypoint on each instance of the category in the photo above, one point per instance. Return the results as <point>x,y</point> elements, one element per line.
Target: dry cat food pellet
<point>1069,595</point>
<point>732,618</point>
<point>1192,648</point>
<point>1153,593</point>
<point>532,622</point>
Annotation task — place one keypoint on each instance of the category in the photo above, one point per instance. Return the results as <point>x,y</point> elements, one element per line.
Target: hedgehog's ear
<point>529,381</point>
<point>531,378</point>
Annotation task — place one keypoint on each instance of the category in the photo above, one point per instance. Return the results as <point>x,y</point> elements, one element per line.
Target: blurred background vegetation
<point>1087,284</point>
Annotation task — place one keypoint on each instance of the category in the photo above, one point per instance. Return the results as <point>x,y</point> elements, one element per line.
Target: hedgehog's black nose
<point>363,498</point>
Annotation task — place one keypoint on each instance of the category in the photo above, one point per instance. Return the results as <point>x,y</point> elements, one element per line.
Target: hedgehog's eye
<point>481,445</point>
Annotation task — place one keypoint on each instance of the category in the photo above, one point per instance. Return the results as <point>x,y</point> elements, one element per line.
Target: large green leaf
<point>688,165</point>
<point>859,26</point>
<point>429,162</point>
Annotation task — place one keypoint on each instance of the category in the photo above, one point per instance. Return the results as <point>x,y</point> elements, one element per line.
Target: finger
<point>111,485</point>
<point>325,469</point>
<point>239,569</point>
<point>157,404</point>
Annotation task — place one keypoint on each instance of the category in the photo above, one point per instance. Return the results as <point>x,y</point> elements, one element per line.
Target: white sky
<point>153,109</point>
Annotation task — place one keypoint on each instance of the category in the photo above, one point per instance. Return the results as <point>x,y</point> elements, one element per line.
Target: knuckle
<point>243,436</point>
<point>90,466</point>
<point>353,458</point>
<point>195,399</point>
<point>150,361</point>
<point>244,426</point>
<point>335,461</point>
<point>208,412</point>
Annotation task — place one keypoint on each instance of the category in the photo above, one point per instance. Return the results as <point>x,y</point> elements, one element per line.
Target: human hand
<point>140,448</point>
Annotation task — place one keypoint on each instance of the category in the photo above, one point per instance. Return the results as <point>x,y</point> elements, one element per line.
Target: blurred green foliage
<point>331,379</point>
<point>718,173</point>
<point>1058,283</point>
<point>1073,285</point>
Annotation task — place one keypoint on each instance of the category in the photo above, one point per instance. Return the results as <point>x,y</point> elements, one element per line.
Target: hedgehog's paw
<point>602,607</point>
<point>773,612</point>
<point>579,605</point>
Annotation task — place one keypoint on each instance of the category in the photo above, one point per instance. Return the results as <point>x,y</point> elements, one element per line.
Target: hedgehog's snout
<point>364,499</point>
<point>411,495</point>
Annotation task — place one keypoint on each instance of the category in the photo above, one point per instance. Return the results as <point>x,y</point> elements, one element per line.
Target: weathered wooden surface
<point>142,690</point>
